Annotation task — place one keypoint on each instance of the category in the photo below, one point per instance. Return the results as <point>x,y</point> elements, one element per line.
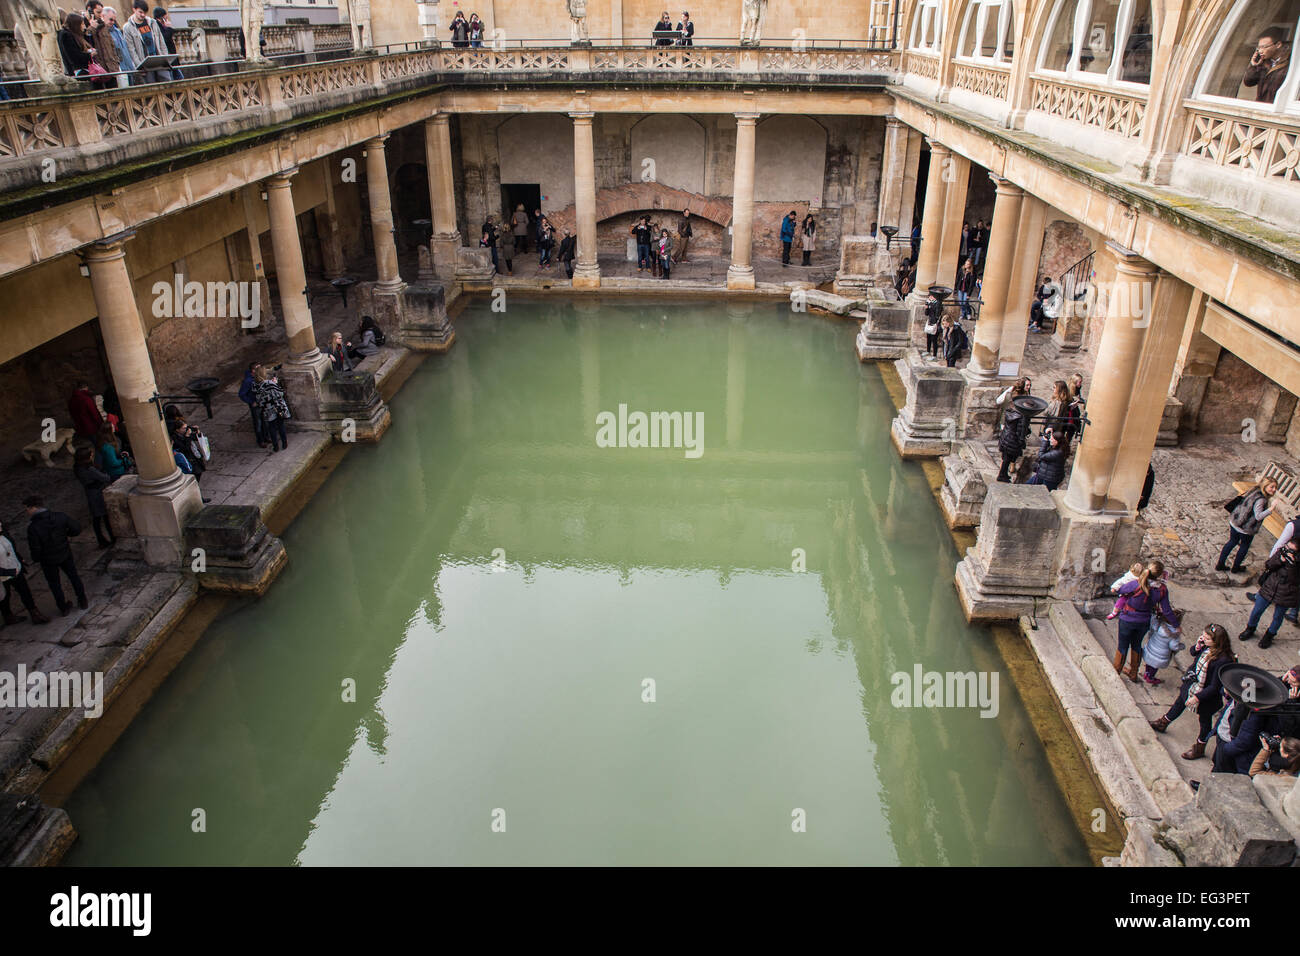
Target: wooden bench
<point>45,450</point>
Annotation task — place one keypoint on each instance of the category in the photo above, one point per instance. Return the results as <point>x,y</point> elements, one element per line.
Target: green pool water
<point>507,596</point>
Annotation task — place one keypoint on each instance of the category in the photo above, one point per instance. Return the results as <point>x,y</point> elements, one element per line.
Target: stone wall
<point>830,164</point>
<point>1233,394</point>
<point>1065,242</point>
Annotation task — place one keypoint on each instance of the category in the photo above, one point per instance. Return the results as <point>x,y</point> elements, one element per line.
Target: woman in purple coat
<point>1142,596</point>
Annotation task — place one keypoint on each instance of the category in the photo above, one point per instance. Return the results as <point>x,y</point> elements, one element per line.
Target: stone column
<point>907,202</point>
<point>163,498</point>
<point>936,188</point>
<point>1145,317</point>
<point>586,270</point>
<point>1024,281</point>
<point>307,365</point>
<point>740,274</point>
<point>893,163</point>
<point>957,172</point>
<point>327,224</point>
<point>1119,355</point>
<point>442,195</point>
<point>381,216</point>
<point>1003,253</point>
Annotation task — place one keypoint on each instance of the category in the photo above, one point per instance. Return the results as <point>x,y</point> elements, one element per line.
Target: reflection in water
<point>605,651</point>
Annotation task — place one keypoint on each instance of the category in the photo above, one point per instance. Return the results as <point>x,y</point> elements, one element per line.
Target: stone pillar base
<point>740,277</point>
<point>980,410</point>
<point>1170,423</point>
<point>240,556</point>
<point>1010,568</point>
<point>852,286</point>
<point>967,474</point>
<point>159,514</point>
<point>1068,334</point>
<point>302,386</point>
<point>445,248</point>
<point>586,277</point>
<point>352,408</point>
<point>1095,549</point>
<point>474,269</point>
<point>424,324</point>
<point>886,327</point>
<point>927,425</point>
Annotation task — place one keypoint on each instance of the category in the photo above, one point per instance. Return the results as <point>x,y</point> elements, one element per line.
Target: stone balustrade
<point>1261,143</point>
<point>1104,109</point>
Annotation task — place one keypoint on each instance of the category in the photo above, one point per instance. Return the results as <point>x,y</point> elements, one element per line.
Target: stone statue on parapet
<point>251,17</point>
<point>36,25</point>
<point>578,20</point>
<point>751,21</point>
<point>359,16</point>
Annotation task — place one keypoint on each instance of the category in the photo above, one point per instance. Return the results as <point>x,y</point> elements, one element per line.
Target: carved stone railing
<point>980,78</point>
<point>921,64</point>
<point>1263,144</point>
<point>32,126</point>
<point>1107,110</point>
<point>330,37</point>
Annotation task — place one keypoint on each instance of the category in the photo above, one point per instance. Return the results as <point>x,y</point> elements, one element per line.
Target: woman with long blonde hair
<point>1245,520</point>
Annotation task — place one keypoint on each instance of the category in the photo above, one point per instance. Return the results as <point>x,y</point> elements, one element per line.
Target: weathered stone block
<point>351,406</point>
<point>927,426</point>
<point>1248,830</point>
<point>803,299</point>
<point>1170,423</point>
<point>967,474</point>
<point>238,553</point>
<point>1010,566</point>
<point>1143,848</point>
<point>474,268</point>
<point>886,327</point>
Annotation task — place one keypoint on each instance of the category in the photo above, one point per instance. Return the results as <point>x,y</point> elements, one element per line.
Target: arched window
<point>927,26</point>
<point>1250,58</point>
<point>986,31</point>
<point>1108,40</point>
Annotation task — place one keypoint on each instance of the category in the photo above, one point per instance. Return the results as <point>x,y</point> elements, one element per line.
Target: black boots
<point>1247,635</point>
<point>1266,640</point>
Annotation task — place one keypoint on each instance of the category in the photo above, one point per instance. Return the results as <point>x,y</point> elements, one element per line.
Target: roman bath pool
<point>505,637</point>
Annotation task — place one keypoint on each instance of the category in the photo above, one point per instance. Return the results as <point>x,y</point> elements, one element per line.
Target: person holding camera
<point>1049,469</point>
<point>1279,756</point>
<point>1278,586</point>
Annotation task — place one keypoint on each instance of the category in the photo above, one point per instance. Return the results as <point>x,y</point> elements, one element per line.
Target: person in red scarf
<point>85,415</point>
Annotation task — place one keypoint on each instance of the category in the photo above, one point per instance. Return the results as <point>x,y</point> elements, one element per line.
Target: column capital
<point>110,247</point>
<point>376,142</point>
<point>936,146</point>
<point>1005,187</point>
<point>893,122</point>
<point>747,119</point>
<point>1130,261</point>
<point>582,117</point>
<point>281,179</point>
<point>439,119</point>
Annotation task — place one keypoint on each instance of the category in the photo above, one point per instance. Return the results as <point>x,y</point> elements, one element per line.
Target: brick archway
<point>635,197</point>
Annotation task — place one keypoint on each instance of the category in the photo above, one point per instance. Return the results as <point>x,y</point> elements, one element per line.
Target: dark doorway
<point>512,194</point>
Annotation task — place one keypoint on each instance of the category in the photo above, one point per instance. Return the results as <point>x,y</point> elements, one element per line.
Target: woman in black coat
<point>94,482</point>
<point>77,53</point>
<point>1280,587</point>
<point>1050,467</point>
<point>1201,689</point>
<point>1011,440</point>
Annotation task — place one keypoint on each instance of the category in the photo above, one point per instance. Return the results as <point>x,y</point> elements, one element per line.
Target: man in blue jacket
<point>787,236</point>
<point>246,396</point>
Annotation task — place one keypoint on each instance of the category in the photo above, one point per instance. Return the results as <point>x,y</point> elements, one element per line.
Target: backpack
<point>379,335</point>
